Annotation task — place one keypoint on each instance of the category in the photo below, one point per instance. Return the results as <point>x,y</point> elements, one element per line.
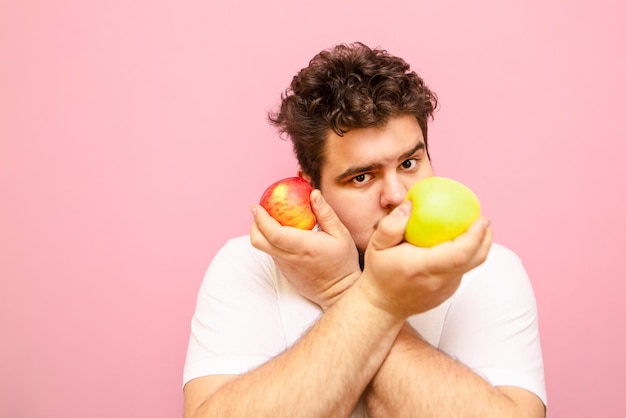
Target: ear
<point>304,175</point>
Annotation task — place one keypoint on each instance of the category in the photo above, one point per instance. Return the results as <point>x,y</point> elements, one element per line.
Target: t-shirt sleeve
<point>492,325</point>
<point>236,325</point>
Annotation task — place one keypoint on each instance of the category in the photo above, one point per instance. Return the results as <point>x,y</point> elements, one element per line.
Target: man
<point>348,319</point>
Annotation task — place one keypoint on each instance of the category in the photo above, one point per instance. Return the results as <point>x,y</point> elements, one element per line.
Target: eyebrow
<point>353,171</point>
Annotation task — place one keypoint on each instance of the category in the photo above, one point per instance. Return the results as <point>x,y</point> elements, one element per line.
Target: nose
<point>393,192</point>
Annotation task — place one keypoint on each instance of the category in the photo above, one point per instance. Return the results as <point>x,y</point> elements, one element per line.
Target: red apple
<point>287,201</point>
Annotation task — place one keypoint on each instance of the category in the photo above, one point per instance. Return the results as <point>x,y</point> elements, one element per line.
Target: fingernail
<point>253,210</point>
<point>486,223</point>
<point>320,199</point>
<point>403,210</point>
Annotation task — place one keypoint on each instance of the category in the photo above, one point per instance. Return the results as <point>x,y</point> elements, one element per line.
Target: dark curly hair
<point>347,87</point>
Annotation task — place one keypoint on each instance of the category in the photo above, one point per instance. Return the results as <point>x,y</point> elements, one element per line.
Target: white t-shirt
<point>247,313</point>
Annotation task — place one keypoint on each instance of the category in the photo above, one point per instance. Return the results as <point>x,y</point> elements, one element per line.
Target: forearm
<point>323,374</point>
<point>418,380</point>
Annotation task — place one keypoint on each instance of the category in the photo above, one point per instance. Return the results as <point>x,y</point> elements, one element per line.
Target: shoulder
<point>502,275</point>
<point>499,252</point>
<point>240,244</point>
<point>501,260</point>
<point>237,264</point>
<point>240,250</point>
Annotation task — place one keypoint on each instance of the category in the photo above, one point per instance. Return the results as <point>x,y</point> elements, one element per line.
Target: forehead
<point>371,146</point>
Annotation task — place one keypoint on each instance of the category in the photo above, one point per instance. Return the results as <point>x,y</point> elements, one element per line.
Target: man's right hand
<point>404,279</point>
<point>319,264</point>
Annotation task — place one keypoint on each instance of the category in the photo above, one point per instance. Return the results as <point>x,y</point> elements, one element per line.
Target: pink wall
<point>133,142</point>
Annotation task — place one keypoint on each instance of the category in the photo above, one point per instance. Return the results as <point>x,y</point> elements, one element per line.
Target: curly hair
<point>347,87</point>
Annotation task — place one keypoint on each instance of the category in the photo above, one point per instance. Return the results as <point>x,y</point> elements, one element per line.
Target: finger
<point>475,234</point>
<point>327,219</point>
<point>263,227</point>
<point>465,252</point>
<point>268,235</point>
<point>478,236</point>
<point>485,246</point>
<point>263,220</point>
<point>390,231</point>
<point>257,237</point>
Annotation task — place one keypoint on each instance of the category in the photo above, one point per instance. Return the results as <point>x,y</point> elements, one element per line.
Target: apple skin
<point>287,201</point>
<point>442,210</point>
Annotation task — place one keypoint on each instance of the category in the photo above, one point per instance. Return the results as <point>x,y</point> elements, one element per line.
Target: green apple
<point>442,210</point>
<point>288,201</point>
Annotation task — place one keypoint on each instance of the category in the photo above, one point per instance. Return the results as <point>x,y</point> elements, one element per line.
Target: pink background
<point>133,141</point>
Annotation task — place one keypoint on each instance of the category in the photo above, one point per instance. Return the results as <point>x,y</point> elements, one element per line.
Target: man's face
<point>368,172</point>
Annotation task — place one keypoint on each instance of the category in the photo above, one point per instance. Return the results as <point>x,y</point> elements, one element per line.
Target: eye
<point>409,164</point>
<point>361,179</point>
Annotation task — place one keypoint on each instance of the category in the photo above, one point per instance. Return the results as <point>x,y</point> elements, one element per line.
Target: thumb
<point>390,230</point>
<point>327,219</point>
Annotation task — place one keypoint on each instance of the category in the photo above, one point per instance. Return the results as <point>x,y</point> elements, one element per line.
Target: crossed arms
<point>361,346</point>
